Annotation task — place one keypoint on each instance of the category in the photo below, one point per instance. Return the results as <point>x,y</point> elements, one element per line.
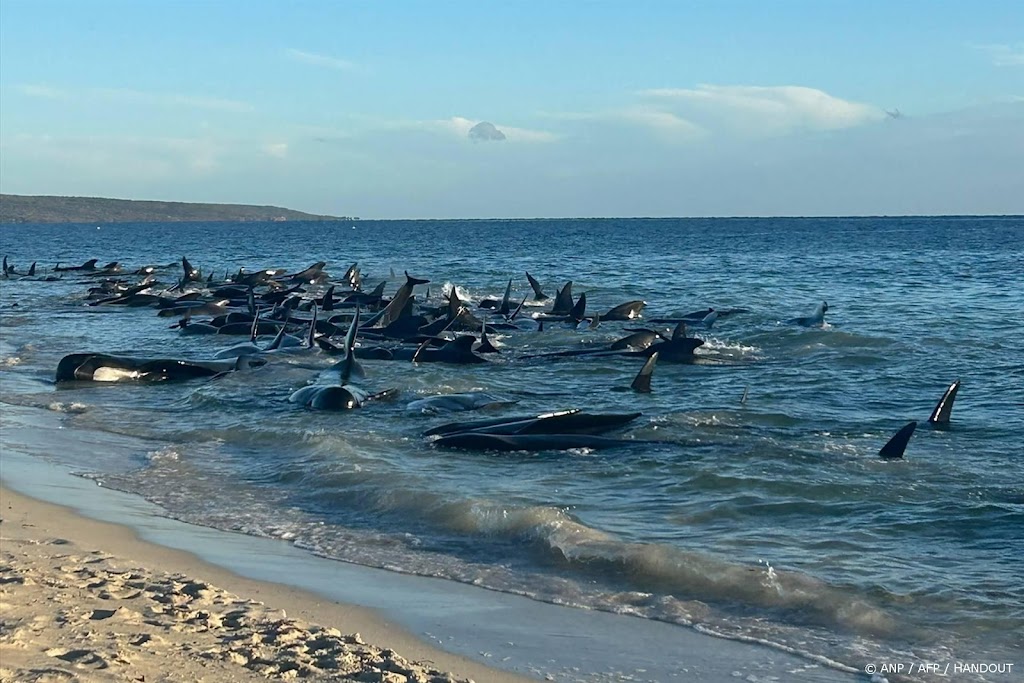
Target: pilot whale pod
<point>944,408</point>
<point>894,448</point>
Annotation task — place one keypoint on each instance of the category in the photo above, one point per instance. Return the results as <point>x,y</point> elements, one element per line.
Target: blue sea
<point>761,513</point>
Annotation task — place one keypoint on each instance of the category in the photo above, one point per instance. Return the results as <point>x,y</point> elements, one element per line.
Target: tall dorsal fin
<point>254,330</point>
<point>485,344</point>
<point>328,299</point>
<point>894,448</point>
<point>679,332</point>
<point>454,303</point>
<point>32,269</point>
<point>504,308</point>
<point>642,382</point>
<point>563,300</point>
<point>944,408</point>
<point>311,338</point>
<point>349,365</point>
<point>595,322</point>
<point>378,291</point>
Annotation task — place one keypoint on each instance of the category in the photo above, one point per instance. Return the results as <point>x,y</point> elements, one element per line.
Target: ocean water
<point>769,519</point>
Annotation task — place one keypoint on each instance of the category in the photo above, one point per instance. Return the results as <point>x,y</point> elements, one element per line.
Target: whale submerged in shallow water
<point>101,367</point>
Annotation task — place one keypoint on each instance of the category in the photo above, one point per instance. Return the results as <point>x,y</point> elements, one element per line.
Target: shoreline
<point>470,631</point>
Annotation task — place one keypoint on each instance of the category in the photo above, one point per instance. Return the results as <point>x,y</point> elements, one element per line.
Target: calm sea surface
<point>771,519</point>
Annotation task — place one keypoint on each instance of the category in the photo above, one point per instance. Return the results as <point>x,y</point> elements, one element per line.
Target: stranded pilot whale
<point>102,367</point>
<point>332,389</point>
<point>816,319</point>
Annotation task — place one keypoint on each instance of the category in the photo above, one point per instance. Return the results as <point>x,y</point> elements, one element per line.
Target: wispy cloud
<point>140,97</point>
<point>765,109</point>
<point>43,91</point>
<point>127,157</point>
<point>1002,54</point>
<point>687,115</point>
<point>278,150</point>
<point>664,124</point>
<point>324,61</point>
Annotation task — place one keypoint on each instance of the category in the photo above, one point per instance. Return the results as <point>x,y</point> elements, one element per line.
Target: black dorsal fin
<point>679,332</point>
<point>519,309</point>
<point>311,339</point>
<point>579,309</point>
<point>504,309</point>
<point>642,382</point>
<point>944,408</point>
<point>254,330</point>
<point>349,364</point>
<point>895,447</point>
<point>328,299</point>
<point>485,344</point>
<point>563,300</point>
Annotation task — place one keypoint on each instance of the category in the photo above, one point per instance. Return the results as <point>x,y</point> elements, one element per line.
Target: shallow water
<point>770,518</point>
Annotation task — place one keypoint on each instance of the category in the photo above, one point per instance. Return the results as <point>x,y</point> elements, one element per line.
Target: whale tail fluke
<point>894,448</point>
<point>538,294</point>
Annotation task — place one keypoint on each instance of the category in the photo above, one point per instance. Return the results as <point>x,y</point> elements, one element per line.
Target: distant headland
<point>46,209</point>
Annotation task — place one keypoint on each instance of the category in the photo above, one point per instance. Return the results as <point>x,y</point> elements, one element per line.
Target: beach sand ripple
<point>70,614</point>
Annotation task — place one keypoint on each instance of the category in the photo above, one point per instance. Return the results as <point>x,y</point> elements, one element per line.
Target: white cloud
<point>141,97</point>
<point>460,127</point>
<point>1003,55</point>
<point>43,91</point>
<point>325,61</point>
<point>765,109</point>
<point>278,150</point>
<point>129,158</point>
<point>664,124</point>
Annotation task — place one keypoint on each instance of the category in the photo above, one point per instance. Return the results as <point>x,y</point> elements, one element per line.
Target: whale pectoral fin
<point>385,395</point>
<point>944,408</point>
<point>894,448</point>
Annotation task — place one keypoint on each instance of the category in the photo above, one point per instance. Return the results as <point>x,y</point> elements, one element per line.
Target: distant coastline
<point>49,209</point>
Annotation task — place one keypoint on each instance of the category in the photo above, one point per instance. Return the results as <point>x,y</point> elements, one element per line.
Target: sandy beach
<point>87,600</point>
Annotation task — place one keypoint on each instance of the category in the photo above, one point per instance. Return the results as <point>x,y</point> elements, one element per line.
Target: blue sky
<point>598,108</point>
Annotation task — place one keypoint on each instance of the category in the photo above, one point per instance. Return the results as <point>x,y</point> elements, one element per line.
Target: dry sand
<point>85,600</point>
